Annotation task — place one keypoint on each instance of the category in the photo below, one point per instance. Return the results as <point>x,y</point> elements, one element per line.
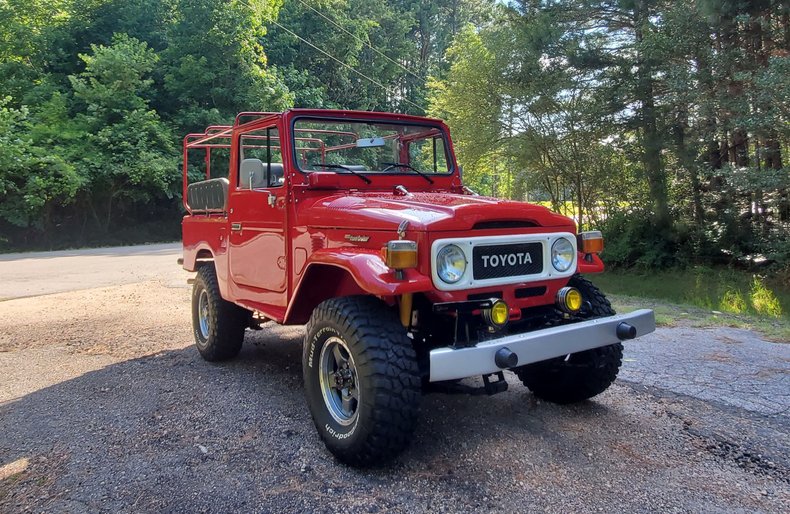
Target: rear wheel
<point>218,325</point>
<point>361,379</point>
<point>578,376</point>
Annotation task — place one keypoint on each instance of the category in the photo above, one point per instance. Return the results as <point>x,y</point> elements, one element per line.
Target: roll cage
<point>220,137</point>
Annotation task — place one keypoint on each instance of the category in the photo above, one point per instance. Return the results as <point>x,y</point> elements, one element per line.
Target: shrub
<point>764,300</point>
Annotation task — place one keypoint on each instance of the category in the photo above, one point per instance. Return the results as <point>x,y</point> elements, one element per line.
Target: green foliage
<point>102,92</point>
<point>398,43</point>
<point>115,81</point>
<point>714,289</point>
<point>632,240</point>
<point>32,182</point>
<point>732,301</point>
<point>467,100</point>
<point>663,123</point>
<point>764,301</point>
<point>214,65</point>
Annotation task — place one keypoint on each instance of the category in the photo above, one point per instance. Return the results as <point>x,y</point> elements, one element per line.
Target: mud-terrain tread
<point>386,357</point>
<point>588,373</point>
<point>229,321</point>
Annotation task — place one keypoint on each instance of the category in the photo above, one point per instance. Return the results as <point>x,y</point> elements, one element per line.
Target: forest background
<point>666,124</point>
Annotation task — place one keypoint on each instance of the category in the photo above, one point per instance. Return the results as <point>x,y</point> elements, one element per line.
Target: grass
<point>703,297</point>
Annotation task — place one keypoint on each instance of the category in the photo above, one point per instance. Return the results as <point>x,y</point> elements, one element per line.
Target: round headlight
<point>450,264</point>
<point>562,254</point>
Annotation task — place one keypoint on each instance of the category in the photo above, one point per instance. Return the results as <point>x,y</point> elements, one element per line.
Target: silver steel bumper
<point>450,364</point>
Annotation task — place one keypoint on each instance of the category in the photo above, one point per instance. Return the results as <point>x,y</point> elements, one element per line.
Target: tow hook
<point>490,387</point>
<point>499,386</point>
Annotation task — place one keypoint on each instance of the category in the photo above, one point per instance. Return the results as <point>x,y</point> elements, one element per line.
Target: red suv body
<point>321,216</point>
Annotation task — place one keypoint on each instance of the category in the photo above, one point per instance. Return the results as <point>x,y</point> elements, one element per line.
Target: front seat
<point>252,174</point>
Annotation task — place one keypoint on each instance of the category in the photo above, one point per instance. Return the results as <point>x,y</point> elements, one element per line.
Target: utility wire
<point>374,81</point>
<point>336,24</point>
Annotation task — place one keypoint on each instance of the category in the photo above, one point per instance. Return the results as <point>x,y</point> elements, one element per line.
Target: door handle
<point>235,227</point>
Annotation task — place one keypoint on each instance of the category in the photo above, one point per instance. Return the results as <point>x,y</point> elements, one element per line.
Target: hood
<point>427,211</point>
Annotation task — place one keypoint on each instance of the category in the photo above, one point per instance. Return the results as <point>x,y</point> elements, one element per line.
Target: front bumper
<point>536,346</point>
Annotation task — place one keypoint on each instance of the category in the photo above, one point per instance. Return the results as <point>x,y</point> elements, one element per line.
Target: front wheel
<point>578,376</point>
<point>362,381</point>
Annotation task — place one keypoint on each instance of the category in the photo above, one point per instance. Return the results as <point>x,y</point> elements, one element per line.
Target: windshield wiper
<point>341,167</point>
<point>391,165</point>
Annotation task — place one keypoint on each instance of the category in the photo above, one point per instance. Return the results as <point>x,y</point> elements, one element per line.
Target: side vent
<point>494,224</point>
<point>485,296</point>
<point>527,292</point>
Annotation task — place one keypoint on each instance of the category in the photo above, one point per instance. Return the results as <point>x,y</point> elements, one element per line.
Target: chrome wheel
<point>338,379</point>
<point>203,314</point>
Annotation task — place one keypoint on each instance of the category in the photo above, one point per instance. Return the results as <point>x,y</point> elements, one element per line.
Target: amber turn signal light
<point>590,242</point>
<point>400,254</point>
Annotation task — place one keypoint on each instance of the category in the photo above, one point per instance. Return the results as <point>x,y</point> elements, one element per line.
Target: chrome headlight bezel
<point>450,272</point>
<point>563,254</point>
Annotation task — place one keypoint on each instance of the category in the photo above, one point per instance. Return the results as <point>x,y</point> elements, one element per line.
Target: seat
<point>356,167</point>
<point>208,195</point>
<point>255,169</point>
<point>277,177</point>
<point>252,174</point>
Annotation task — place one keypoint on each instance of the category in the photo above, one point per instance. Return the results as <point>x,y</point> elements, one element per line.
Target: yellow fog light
<point>400,254</point>
<point>497,315</point>
<point>569,299</point>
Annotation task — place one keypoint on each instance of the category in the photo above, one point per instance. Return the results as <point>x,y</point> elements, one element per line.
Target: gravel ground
<point>106,406</point>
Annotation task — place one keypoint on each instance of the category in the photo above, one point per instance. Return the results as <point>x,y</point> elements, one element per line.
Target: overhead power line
<point>374,81</point>
<point>366,43</point>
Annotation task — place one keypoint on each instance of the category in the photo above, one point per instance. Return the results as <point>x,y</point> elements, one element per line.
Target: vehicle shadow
<point>170,432</point>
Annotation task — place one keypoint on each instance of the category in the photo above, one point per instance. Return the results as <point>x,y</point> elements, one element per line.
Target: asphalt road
<point>106,406</point>
<point>39,273</point>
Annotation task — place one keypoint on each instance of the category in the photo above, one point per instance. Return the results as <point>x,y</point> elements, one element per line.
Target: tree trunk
<point>651,138</point>
<point>687,160</point>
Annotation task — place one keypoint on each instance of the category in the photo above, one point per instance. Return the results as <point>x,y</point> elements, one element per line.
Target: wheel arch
<point>194,257</point>
<point>334,273</point>
<point>320,282</point>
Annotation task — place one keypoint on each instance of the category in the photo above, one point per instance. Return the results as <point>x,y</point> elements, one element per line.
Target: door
<point>257,218</point>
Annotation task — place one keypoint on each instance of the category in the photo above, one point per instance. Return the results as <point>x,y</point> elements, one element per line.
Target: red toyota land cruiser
<point>358,224</point>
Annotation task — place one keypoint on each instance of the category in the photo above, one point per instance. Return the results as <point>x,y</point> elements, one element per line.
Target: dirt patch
<point>123,321</point>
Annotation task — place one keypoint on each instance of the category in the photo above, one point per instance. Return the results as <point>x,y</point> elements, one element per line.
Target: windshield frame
<point>405,172</point>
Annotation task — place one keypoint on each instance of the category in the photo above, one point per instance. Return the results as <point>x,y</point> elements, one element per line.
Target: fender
<point>370,272</point>
<point>203,251</point>
<point>358,271</point>
<point>192,254</point>
<point>589,266</point>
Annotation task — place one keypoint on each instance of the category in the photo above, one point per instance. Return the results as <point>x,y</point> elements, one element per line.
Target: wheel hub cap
<point>203,314</point>
<point>338,380</point>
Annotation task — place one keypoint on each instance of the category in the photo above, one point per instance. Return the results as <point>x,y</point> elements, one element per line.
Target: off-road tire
<point>584,374</point>
<point>387,373</point>
<point>227,321</point>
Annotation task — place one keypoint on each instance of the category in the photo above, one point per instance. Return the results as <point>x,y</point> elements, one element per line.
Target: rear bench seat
<point>208,195</point>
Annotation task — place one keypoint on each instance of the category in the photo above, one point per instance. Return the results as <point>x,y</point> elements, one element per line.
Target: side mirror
<point>461,173</point>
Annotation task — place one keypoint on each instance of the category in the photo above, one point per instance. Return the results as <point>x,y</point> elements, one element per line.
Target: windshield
<point>364,147</point>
